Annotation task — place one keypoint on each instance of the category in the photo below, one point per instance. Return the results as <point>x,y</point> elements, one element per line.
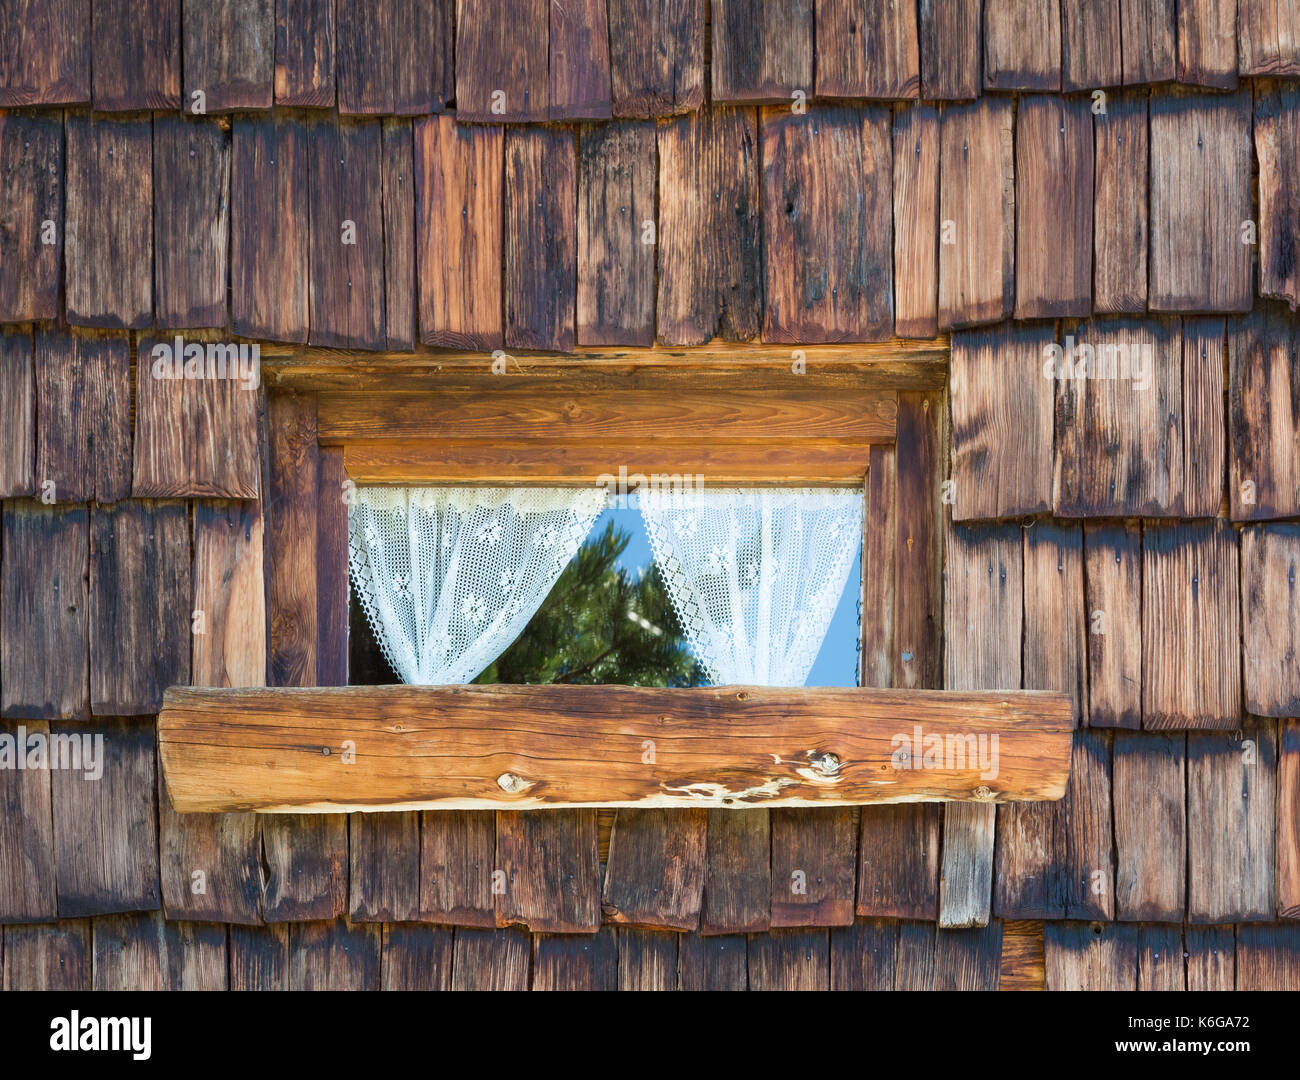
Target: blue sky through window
<point>836,664</point>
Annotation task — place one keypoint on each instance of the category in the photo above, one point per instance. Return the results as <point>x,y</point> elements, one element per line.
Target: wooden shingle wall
<point>375,176</point>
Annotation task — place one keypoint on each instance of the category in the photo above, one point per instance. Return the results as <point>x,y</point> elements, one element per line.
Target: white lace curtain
<point>449,577</point>
<point>754,574</point>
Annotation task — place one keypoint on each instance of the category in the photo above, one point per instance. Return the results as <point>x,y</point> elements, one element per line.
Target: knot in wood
<point>983,792</point>
<point>824,763</point>
<point>510,783</point>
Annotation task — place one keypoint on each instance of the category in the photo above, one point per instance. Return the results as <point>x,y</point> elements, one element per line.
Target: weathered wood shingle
<point>950,34</point>
<point>305,53</point>
<point>867,48</point>
<point>827,236</point>
<point>1270,608</point>
<point>916,221</point>
<point>616,225</point>
<point>655,871</point>
<point>45,59</point>
<point>656,56</point>
<point>502,52</point>
<point>762,50</point>
<point>1120,204</point>
<point>395,56</point>
<point>1263,415</point>
<point>31,216</point>
<point>136,54</point>
<point>459,173</point>
<point>1022,44</point>
<point>229,48</point>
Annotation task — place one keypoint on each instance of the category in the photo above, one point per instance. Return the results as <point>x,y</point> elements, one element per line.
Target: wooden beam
<point>895,364</point>
<point>285,749</point>
<point>582,462</point>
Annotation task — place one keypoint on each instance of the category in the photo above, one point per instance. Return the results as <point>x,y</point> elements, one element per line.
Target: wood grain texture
<point>44,609</point>
<point>31,213</point>
<point>713,963</point>
<point>918,547</point>
<point>1200,196</point>
<point>1022,956</point>
<point>305,855</point>
<point>399,288</point>
<point>976,213</point>
<point>1090,956</point>
<point>229,51</point>
<point>1150,784</point>
<point>345,295</point>
<point>1211,957</point>
<point>1055,648</point>
<point>53,957</point>
<point>49,63</point>
<point>191,221</point>
<point>1002,415</point>
<point>459,173</point>
<point>1160,958</point>
<point>1191,627</point>
<point>1121,426</point>
<point>1148,30</point>
<point>136,54</point>
<point>609,416</point>
<point>879,538</point>
<point>415,957</point>
<point>983,620</point>
<point>269,228</point>
<point>1277,141</point>
<point>867,48</point>
<point>550,871</point>
<point>334,956</point>
<point>738,875</point>
<point>1022,44</point>
<point>951,36</point>
<point>17,413</point>
<point>898,861</point>
<point>1231,824</point>
<point>83,416</point>
<point>1270,608</point>
<point>615,263</point>
<point>809,462</point>
<point>863,955</point>
<point>105,827</point>
<point>789,960</point>
<point>1204,427</point>
<point>394,56</point>
<point>195,436</point>
<point>647,960</point>
<point>1268,37</point>
<point>709,249</point>
<point>1113,610</point>
<point>109,243</point>
<point>27,888</point>
<point>491,960</point>
<point>541,239</point>
<point>502,72</point>
<point>656,56</point>
<point>1119,220</point>
<point>827,240</point>
<point>814,866</point>
<point>384,867</point>
<point>1054,207</point>
<point>1263,416</point>
<point>579,61</point>
<point>1090,44</point>
<point>916,221</point>
<point>655,871</point>
<point>148,952</point>
<point>457,858</point>
<point>141,591</point>
<point>209,863</point>
<point>1207,43</point>
<point>1288,820</point>
<point>259,957</point>
<point>305,55</point>
<point>210,763</point>
<point>1268,957</point>
<point>762,50</point>
<point>568,962</point>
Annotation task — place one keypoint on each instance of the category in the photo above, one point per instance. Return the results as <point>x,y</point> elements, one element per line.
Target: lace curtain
<point>754,575</point>
<point>449,577</point>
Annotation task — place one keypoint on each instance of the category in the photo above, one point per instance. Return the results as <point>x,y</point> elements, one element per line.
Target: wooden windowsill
<point>515,747</point>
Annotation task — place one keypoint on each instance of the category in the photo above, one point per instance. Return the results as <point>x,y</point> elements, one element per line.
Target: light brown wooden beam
<point>566,463</point>
<point>285,749</point>
<point>503,414</point>
<point>897,364</point>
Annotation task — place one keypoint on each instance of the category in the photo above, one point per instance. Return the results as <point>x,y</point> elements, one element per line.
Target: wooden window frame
<point>752,415</point>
